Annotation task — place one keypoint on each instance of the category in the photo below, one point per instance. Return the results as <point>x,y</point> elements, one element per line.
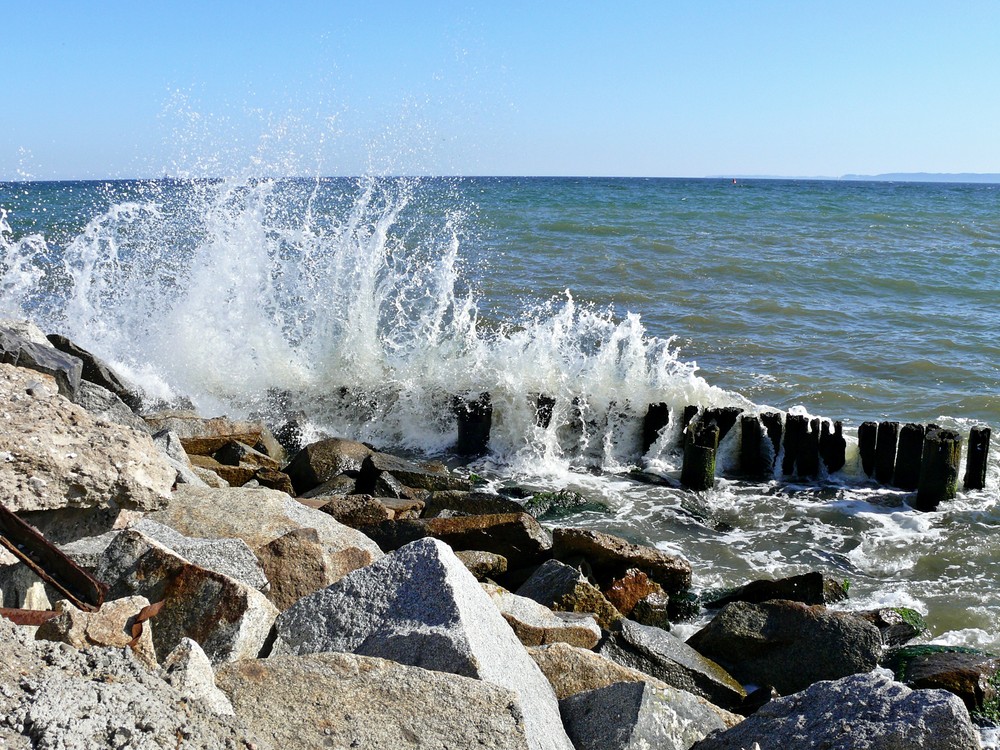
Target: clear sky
<point>658,88</point>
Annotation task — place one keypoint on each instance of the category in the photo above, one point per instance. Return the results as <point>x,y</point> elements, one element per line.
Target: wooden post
<point>774,426</point>
<point>690,412</point>
<point>725,417</point>
<point>939,461</point>
<point>975,462</point>
<point>657,417</point>
<point>756,455</point>
<point>885,451</point>
<point>911,444</point>
<point>543,410</point>
<point>807,464</point>
<point>832,446</point>
<point>796,430</point>
<point>475,418</point>
<point>867,438</point>
<point>698,471</point>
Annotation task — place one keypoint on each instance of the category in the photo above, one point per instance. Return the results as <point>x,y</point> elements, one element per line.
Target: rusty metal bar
<point>49,563</point>
<point>33,617</point>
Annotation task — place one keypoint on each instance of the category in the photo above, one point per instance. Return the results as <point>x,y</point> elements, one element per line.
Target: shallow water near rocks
<point>369,303</point>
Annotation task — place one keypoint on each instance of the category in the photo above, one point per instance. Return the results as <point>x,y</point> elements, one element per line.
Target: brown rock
<point>235,453</point>
<point>201,436</point>
<point>481,564</point>
<point>628,590</point>
<point>110,626</point>
<point>409,506</point>
<point>536,625</point>
<point>234,476</point>
<point>274,480</point>
<point>321,461</point>
<point>342,484</point>
<point>562,588</point>
<point>469,503</point>
<point>357,511</point>
<point>611,556</point>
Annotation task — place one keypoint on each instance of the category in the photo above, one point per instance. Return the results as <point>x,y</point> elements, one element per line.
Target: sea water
<point>367,304</point>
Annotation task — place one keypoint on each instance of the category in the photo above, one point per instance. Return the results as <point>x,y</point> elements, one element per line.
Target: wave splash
<point>348,298</point>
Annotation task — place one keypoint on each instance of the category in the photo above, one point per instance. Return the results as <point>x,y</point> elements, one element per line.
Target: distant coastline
<point>959,177</point>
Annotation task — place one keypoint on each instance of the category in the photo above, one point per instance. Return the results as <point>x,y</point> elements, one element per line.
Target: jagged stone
<point>469,503</point>
<point>274,480</point>
<point>65,369</point>
<point>235,453</point>
<point>201,436</point>
<point>966,672</point>
<point>666,657</point>
<point>896,624</point>
<point>563,588</point>
<point>53,454</point>
<point>808,588</point>
<point>409,473</point>
<point>481,564</point>
<point>295,564</point>
<point>611,556</point>
<point>170,446</point>
<point>337,700</point>
<point>104,404</point>
<point>98,372</point>
<point>860,712</point>
<point>322,461</point>
<point>788,644</point>
<point>109,626</point>
<point>637,716</point>
<point>338,486</point>
<point>234,476</point>
<point>259,516</point>
<point>420,606</point>
<point>228,619</point>
<point>536,625</point>
<point>357,511</point>
<point>209,479</point>
<point>628,590</point>
<point>188,669</point>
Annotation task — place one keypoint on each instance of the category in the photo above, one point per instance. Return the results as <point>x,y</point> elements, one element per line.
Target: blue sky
<point>115,89</point>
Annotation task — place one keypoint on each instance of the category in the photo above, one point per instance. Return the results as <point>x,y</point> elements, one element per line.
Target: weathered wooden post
<point>698,471</point>
<point>690,412</point>
<point>774,425</point>
<point>867,437</point>
<point>796,430</point>
<point>975,462</point>
<point>833,446</point>
<point>475,418</point>
<point>756,457</point>
<point>657,417</point>
<point>885,451</point>
<point>725,417</point>
<point>911,445</point>
<point>939,461</point>
<point>543,410</point>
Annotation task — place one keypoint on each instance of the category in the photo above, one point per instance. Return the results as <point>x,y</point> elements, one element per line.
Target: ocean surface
<point>366,304</point>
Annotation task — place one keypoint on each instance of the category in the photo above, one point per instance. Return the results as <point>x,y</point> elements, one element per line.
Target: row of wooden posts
<point>910,457</point>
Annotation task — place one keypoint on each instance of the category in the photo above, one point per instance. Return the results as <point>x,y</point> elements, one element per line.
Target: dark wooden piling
<point>724,417</point>
<point>698,471</point>
<point>475,418</point>
<point>657,417</point>
<point>906,475</point>
<point>939,460</point>
<point>867,439</point>
<point>807,464</point>
<point>775,426</point>
<point>885,451</point>
<point>756,453</point>
<point>796,432</point>
<point>544,406</point>
<point>690,412</point>
<point>975,461</point>
<point>833,446</point>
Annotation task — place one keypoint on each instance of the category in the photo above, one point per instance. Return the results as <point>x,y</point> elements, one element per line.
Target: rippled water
<point>852,301</point>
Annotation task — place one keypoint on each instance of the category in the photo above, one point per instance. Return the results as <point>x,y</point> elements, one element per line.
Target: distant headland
<point>926,177</point>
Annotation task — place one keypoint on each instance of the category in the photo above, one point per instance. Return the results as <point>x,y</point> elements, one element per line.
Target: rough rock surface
<point>356,511</point>
<point>321,461</point>
<point>98,372</point>
<point>101,402</point>
<point>295,563</point>
<point>968,673</point>
<point>53,454</point>
<point>322,701</point>
<point>611,556</point>
<point>631,588</point>
<point>860,712</point>
<point>259,516</point>
<point>481,564</point>
<point>170,446</point>
<point>53,697</point>
<point>808,588</point>
<point>202,436</point>
<point>563,588</point>
<point>535,624</point>
<point>787,644</point>
<point>110,626</point>
<point>229,619</point>
<point>188,669</point>
<point>637,716</point>
<point>410,474</point>
<point>24,349</point>
<point>469,503</point>
<point>667,657</point>
<point>421,606</point>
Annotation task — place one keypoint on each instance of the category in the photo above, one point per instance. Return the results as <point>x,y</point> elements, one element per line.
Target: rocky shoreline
<point>261,593</point>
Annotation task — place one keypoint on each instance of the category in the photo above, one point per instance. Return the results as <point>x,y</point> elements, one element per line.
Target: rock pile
<point>346,597</point>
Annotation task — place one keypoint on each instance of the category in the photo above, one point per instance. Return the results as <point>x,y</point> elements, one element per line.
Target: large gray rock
<point>323,460</point>
<point>421,606</point>
<point>788,644</point>
<point>637,716</point>
<point>170,446</point>
<point>203,436</point>
<point>16,349</point>
<point>188,669</point>
<point>665,656</point>
<point>258,516</point>
<point>322,701</point>
<point>55,697</point>
<point>102,403</point>
<point>53,454</point>
<point>860,712</point>
<point>98,372</point>
<point>565,589</point>
<point>410,474</point>
<point>227,618</point>
<point>535,624</point>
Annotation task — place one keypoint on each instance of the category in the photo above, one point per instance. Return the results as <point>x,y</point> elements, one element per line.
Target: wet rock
<point>968,673</point>
<point>653,609</point>
<point>788,644</point>
<point>19,351</point>
<point>420,606</point>
<point>110,626</point>
<point>536,625</point>
<point>53,454</point>
<point>637,716</point>
<point>483,565</point>
<point>469,503</point>
<point>97,371</point>
<point>611,556</point>
<point>433,478</point>
<point>860,712</point>
<point>234,476</point>
<point>357,511</point>
<point>340,485</point>
<point>258,517</point>
<point>201,436</point>
<point>229,619</point>
<point>321,461</point>
<point>337,700</point>
<point>104,404</point>
<point>896,624</point>
<point>628,590</point>
<point>188,669</point>
<point>565,589</point>
<point>235,453</point>
<point>666,657</point>
<point>558,504</point>
<point>170,446</point>
<point>808,588</point>
<point>516,536</point>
